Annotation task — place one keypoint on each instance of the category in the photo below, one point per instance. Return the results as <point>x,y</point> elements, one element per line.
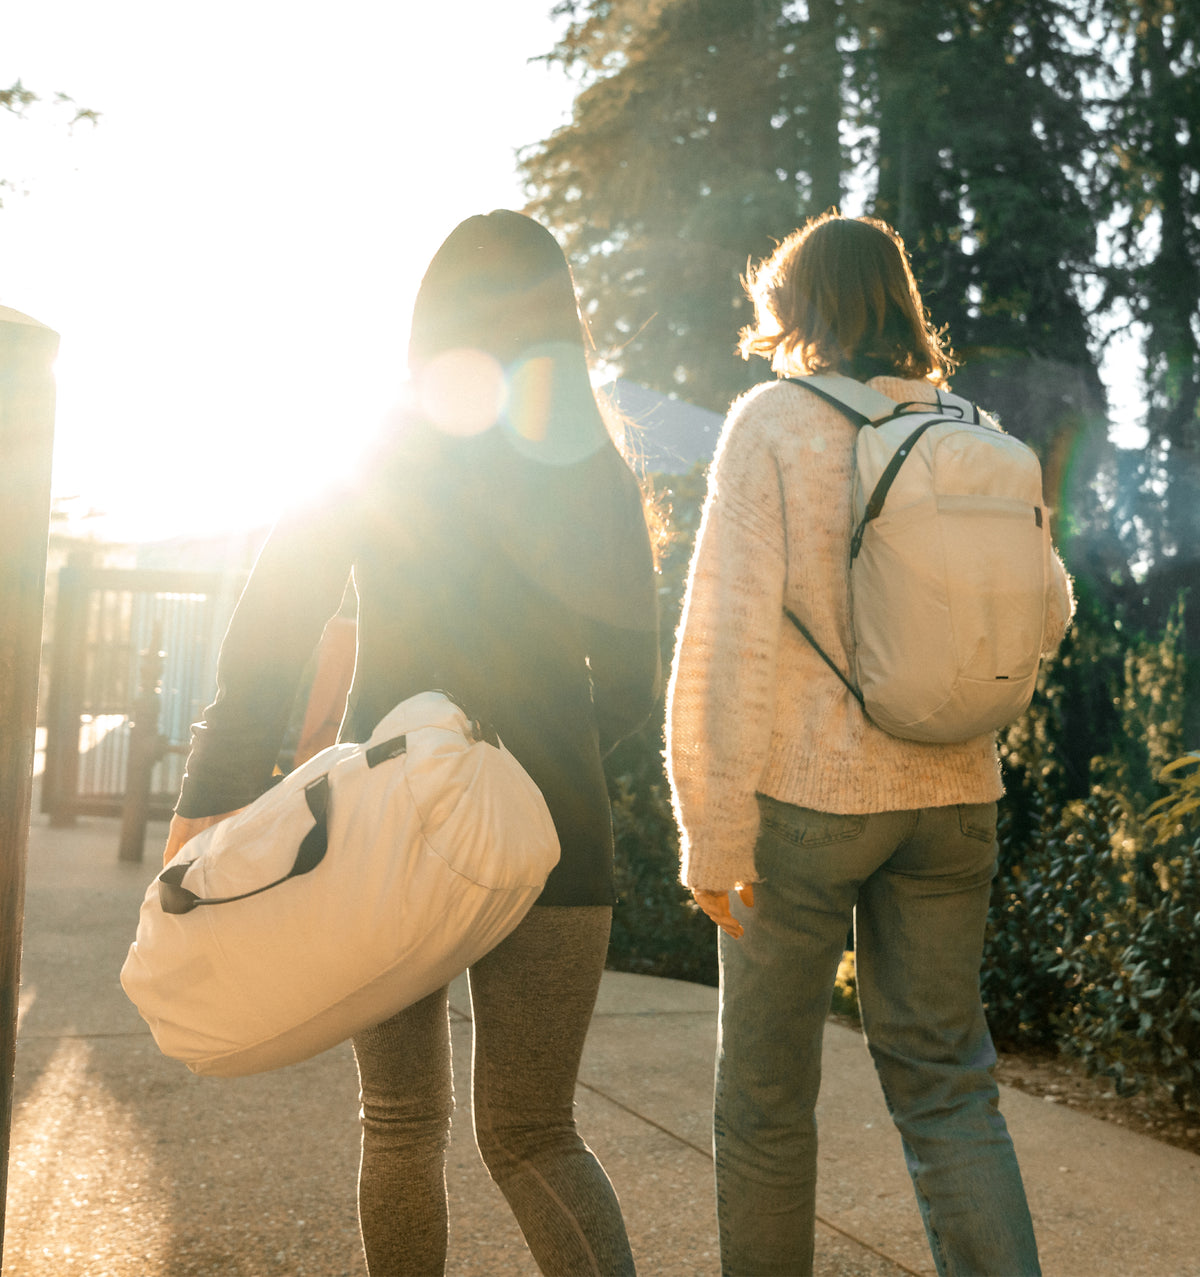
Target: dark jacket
<point>525,590</point>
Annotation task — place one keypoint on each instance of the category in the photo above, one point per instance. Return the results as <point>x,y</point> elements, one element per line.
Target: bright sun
<point>156,451</point>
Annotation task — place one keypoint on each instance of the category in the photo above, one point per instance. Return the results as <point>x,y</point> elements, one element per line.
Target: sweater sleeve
<point>295,587</point>
<point>721,697</point>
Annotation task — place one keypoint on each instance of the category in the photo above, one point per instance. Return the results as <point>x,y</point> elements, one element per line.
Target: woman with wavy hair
<point>499,552</point>
<point>799,816</point>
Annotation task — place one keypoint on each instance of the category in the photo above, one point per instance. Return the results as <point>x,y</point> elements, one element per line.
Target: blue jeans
<point>916,885</point>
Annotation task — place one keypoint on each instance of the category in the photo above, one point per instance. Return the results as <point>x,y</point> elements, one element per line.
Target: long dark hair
<point>499,291</point>
<point>499,283</point>
<point>500,288</point>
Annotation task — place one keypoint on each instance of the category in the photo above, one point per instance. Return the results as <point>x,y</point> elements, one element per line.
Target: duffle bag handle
<point>175,898</point>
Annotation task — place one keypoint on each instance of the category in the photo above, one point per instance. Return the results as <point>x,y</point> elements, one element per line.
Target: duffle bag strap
<point>175,898</point>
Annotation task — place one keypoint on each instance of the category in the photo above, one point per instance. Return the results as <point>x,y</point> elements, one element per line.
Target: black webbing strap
<point>386,749</point>
<point>859,418</point>
<point>888,477</point>
<point>820,651</point>
<point>883,486</point>
<point>176,898</point>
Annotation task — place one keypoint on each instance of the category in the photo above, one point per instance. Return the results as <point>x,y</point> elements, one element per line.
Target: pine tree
<point>706,129</point>
<point>698,138</point>
<point>1041,159</point>
<point>1152,189</point>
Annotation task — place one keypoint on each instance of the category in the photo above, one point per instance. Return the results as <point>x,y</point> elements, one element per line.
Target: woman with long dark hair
<point>799,816</point>
<point>499,552</point>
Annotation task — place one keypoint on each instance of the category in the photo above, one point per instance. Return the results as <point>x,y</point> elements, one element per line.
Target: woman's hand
<point>717,905</point>
<point>185,828</point>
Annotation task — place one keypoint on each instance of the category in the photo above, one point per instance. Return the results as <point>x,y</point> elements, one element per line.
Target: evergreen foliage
<point>17,101</point>
<point>705,128</point>
<point>1040,157</point>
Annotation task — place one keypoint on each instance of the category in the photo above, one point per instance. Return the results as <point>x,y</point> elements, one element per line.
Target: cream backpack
<point>950,565</point>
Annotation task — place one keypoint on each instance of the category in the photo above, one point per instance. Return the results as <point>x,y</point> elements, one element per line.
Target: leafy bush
<point>1169,815</point>
<point>1052,891</point>
<point>1137,1015</point>
<point>1091,949</point>
<point>1022,994</point>
<point>657,928</point>
<point>1150,702</point>
<point>1091,943</point>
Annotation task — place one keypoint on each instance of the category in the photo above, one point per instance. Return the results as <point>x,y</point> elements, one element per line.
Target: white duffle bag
<point>366,879</point>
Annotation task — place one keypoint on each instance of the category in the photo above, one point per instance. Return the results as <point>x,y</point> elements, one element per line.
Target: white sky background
<point>231,255</point>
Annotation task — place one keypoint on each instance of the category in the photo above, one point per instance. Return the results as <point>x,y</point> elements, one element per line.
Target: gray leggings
<point>531,1000</point>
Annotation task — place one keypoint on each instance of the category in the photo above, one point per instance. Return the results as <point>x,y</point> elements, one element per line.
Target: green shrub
<point>1179,809</point>
<point>1022,995</point>
<point>1091,949</point>
<point>1137,1014</point>
<point>1150,703</point>
<point>657,928</point>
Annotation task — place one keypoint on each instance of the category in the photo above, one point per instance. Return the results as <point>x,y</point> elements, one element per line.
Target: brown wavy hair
<point>838,295</point>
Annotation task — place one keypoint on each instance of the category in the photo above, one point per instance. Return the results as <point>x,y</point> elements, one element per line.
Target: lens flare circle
<point>463,391</point>
<point>532,397</point>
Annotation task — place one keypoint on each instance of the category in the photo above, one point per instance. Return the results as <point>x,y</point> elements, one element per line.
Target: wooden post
<point>145,749</point>
<point>60,698</point>
<point>27,353</point>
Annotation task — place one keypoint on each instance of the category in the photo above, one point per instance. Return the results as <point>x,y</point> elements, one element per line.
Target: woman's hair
<point>500,284</point>
<point>839,295</point>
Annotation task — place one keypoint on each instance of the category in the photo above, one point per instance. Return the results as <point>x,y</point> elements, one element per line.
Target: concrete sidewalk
<point>125,1165</point>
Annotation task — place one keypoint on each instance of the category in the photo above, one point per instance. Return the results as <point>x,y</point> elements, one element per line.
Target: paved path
<point>125,1165</point>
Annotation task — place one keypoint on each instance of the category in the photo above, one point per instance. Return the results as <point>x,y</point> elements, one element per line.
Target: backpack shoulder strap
<point>860,403</point>
<point>823,654</point>
<point>954,406</point>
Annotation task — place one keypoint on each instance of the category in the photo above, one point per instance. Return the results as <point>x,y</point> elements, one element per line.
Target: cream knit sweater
<point>752,708</point>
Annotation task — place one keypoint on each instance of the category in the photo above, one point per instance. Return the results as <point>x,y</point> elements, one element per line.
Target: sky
<point>230,255</point>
